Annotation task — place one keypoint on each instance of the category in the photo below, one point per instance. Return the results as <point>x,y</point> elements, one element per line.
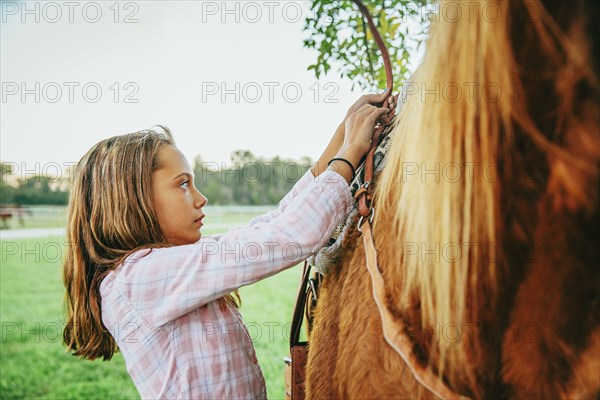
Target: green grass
<point>35,222</point>
<point>57,217</point>
<point>33,363</point>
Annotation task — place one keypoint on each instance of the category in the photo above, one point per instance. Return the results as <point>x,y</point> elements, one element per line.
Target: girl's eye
<point>185,184</point>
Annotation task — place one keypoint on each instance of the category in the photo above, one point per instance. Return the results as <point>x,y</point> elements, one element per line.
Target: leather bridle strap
<point>299,307</point>
<point>362,195</point>
<point>384,51</point>
<point>393,329</point>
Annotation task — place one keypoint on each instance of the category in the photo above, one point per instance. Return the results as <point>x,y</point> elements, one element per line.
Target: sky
<point>222,76</point>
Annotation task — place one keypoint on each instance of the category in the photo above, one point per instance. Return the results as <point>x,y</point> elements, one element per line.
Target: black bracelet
<point>347,162</point>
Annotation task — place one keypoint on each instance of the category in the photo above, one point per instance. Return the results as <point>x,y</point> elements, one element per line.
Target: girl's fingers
<point>364,108</point>
<point>370,113</point>
<point>375,98</point>
<point>377,112</point>
<point>368,109</point>
<point>374,115</point>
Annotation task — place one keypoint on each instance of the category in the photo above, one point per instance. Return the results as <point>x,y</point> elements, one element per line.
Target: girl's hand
<point>359,127</point>
<point>373,99</point>
<point>339,138</point>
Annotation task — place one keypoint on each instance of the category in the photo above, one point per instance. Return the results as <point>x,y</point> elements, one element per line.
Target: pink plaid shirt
<point>161,306</point>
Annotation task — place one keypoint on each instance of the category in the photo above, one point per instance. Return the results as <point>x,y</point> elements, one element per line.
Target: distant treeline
<point>33,190</point>
<point>247,180</point>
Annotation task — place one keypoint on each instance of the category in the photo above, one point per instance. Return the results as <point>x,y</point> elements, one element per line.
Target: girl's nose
<point>200,200</point>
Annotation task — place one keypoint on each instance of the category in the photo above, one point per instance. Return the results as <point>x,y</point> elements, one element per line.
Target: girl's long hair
<point>110,216</point>
<point>495,87</point>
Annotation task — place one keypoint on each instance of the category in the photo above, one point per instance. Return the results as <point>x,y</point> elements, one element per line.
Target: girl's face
<point>177,202</point>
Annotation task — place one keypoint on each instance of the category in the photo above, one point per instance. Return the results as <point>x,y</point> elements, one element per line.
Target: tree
<point>38,190</point>
<point>340,34</point>
<point>239,158</point>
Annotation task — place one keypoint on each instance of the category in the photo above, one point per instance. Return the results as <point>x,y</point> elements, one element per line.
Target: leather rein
<point>393,329</point>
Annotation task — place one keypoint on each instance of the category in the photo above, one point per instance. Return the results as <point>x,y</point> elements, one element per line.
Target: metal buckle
<point>362,219</point>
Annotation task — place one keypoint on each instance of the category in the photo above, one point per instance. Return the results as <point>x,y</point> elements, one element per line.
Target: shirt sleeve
<point>164,284</point>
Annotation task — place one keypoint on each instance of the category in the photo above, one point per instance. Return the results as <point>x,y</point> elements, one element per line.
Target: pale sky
<point>176,59</point>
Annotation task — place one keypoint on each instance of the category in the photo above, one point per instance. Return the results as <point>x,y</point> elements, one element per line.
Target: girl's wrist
<point>350,153</point>
<point>332,149</point>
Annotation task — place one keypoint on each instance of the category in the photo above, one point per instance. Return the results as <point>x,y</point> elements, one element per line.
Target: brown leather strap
<point>363,198</point>
<point>393,329</point>
<point>298,315</point>
<point>384,51</point>
<point>363,195</point>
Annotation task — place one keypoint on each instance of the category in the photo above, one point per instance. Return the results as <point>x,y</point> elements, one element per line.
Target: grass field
<point>33,363</point>
<point>56,216</point>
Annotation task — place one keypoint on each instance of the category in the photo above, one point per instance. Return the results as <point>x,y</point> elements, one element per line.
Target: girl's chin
<point>188,240</point>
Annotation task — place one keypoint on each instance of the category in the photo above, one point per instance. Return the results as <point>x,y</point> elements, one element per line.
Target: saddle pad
<point>329,254</point>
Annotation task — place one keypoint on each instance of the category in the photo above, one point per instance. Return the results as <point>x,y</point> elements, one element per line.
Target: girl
<point>140,277</point>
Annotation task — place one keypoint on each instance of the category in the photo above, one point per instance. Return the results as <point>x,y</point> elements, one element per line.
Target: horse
<point>10,210</point>
<point>485,223</point>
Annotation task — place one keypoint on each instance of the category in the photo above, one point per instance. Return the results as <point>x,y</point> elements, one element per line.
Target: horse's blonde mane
<point>428,212</point>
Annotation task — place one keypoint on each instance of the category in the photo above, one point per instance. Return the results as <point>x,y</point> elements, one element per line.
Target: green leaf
<point>332,21</point>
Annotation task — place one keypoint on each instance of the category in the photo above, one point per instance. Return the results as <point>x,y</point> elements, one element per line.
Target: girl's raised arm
<point>169,282</point>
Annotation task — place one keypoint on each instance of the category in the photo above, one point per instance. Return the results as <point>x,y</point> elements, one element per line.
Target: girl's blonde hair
<point>110,216</point>
<point>515,91</point>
